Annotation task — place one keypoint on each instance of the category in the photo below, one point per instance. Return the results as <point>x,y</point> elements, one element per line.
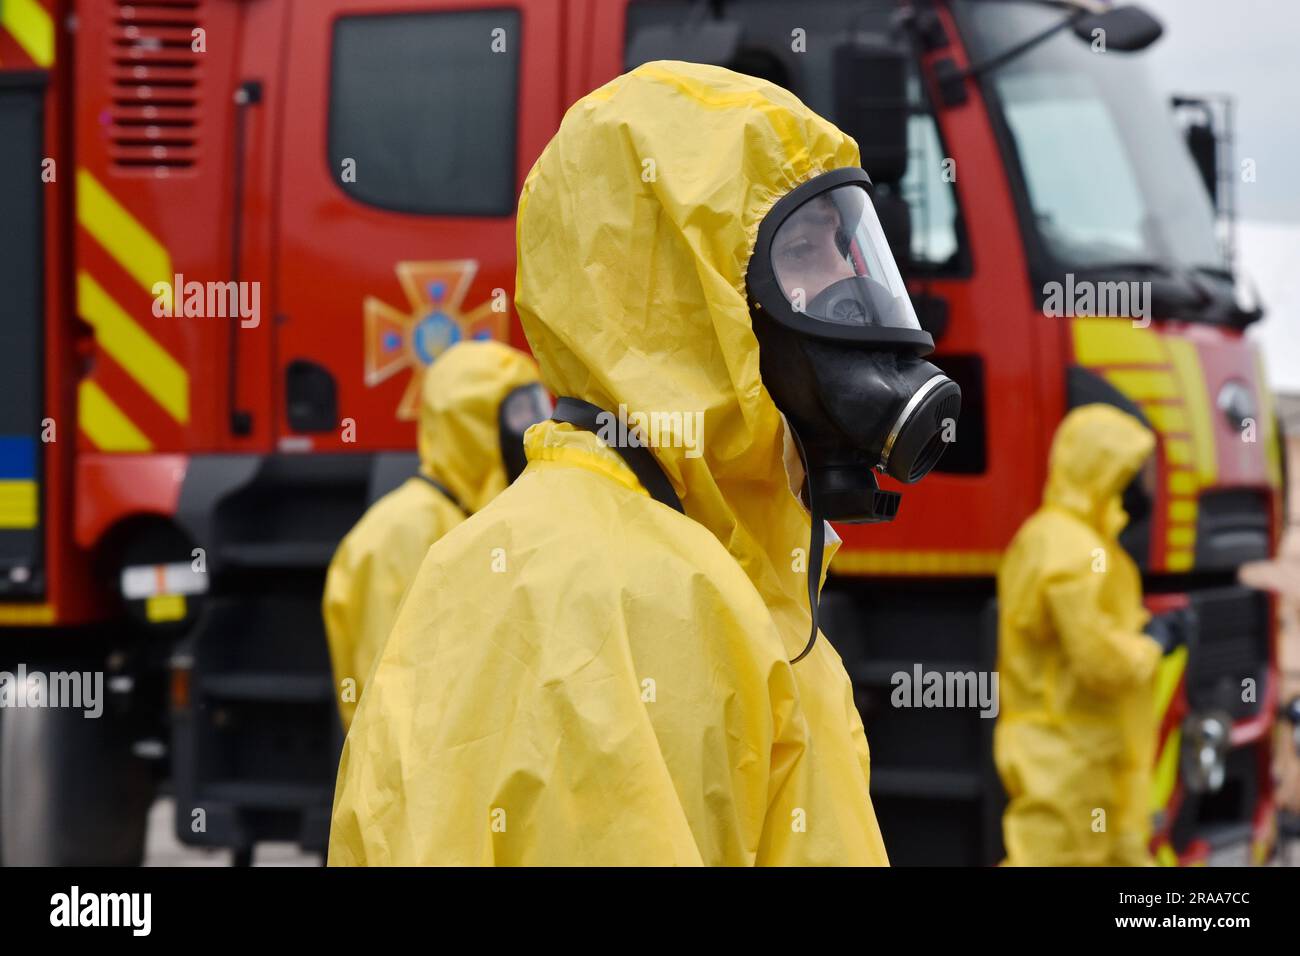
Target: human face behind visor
<point>832,262</point>
<point>524,407</point>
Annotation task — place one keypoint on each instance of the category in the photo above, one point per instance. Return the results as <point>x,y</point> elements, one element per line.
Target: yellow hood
<point>635,229</point>
<point>1096,452</point>
<point>459,436</point>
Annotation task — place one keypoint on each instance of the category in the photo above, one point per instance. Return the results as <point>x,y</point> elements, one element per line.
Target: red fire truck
<point>236,231</point>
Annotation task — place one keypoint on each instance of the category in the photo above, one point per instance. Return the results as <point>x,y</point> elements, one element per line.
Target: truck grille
<point>154,75</point>
<point>1230,646</point>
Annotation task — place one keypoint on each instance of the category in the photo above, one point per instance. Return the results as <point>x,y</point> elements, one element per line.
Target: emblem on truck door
<point>435,321</point>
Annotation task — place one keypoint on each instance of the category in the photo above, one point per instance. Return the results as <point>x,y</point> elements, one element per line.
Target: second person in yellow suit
<point>463,433</point>
<point>582,673</point>
<point>1075,740</point>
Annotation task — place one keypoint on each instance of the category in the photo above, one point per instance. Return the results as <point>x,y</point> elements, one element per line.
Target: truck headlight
<point>1206,741</point>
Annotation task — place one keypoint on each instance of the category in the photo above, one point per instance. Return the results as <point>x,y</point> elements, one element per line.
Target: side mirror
<point>869,82</point>
<point>1201,141</point>
<point>1128,29</point>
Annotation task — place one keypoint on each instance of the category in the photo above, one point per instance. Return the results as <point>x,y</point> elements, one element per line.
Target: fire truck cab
<point>237,231</point>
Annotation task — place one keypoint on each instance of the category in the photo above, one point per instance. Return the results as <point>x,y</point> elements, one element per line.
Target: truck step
<point>262,795</point>
<point>941,784</point>
<point>294,688</point>
<point>278,556</point>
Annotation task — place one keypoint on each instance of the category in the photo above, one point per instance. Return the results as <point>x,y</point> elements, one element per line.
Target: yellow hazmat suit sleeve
<point>460,450</point>
<point>1076,732</point>
<point>581,674</point>
<point>1106,657</point>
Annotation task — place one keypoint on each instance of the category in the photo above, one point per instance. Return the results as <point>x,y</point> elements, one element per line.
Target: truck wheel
<point>73,793</point>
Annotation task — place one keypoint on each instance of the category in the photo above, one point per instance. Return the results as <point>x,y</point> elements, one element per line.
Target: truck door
<point>409,127</point>
<point>22,312</point>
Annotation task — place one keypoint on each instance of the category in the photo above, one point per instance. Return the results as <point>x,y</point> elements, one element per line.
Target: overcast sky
<point>1251,49</point>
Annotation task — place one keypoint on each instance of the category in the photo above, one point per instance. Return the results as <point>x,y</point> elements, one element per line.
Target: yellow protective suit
<point>581,674</point>
<point>1077,727</point>
<point>459,444</point>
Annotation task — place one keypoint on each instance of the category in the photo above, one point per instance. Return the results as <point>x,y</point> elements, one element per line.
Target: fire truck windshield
<point>1106,179</point>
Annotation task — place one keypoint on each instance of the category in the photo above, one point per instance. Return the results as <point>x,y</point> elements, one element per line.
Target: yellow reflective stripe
<point>134,349</point>
<point>1168,674</point>
<point>1196,400</point>
<point>913,562</point>
<point>1179,561</point>
<point>1178,451</point>
<point>1182,482</point>
<point>1268,422</point>
<point>26,613</point>
<point>1099,341</point>
<point>1182,537</point>
<point>1183,511</point>
<point>121,234</point>
<point>1139,384</point>
<point>1166,773</point>
<point>105,424</point>
<point>18,504</point>
<point>1166,418</point>
<point>160,608</point>
<point>32,27</point>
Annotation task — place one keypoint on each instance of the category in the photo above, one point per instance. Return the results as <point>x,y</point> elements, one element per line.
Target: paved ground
<point>161,847</point>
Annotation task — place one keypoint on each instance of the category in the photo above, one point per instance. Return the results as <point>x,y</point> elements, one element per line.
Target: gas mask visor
<point>522,408</point>
<point>822,267</point>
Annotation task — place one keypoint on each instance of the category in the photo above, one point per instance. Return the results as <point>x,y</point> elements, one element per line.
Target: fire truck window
<point>789,44</point>
<point>424,106</point>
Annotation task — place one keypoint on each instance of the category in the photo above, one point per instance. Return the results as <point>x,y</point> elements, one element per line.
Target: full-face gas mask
<point>840,352</point>
<point>840,348</point>
<point>522,408</point>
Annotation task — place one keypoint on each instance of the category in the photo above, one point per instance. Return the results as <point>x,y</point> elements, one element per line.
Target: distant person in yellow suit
<point>613,662</point>
<point>1076,735</point>
<point>476,401</point>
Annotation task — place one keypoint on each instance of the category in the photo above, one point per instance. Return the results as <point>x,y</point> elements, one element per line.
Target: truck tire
<point>72,792</point>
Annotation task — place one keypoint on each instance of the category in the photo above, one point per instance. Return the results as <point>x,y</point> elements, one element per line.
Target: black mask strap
<point>443,490</point>
<point>585,415</point>
<point>816,546</point>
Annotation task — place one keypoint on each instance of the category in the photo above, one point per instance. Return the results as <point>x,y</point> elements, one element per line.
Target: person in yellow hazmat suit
<point>476,401</point>
<point>1077,658</point>
<point>616,662</point>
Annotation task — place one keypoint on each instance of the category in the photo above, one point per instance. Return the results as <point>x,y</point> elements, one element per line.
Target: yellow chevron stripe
<point>32,27</point>
<point>18,504</point>
<point>1139,384</point>
<point>1166,773</point>
<point>105,424</point>
<point>1268,422</point>
<point>917,562</point>
<point>1182,482</point>
<point>121,234</point>
<point>1166,418</point>
<point>1196,399</point>
<point>1099,341</point>
<point>134,349</point>
<point>1178,451</point>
